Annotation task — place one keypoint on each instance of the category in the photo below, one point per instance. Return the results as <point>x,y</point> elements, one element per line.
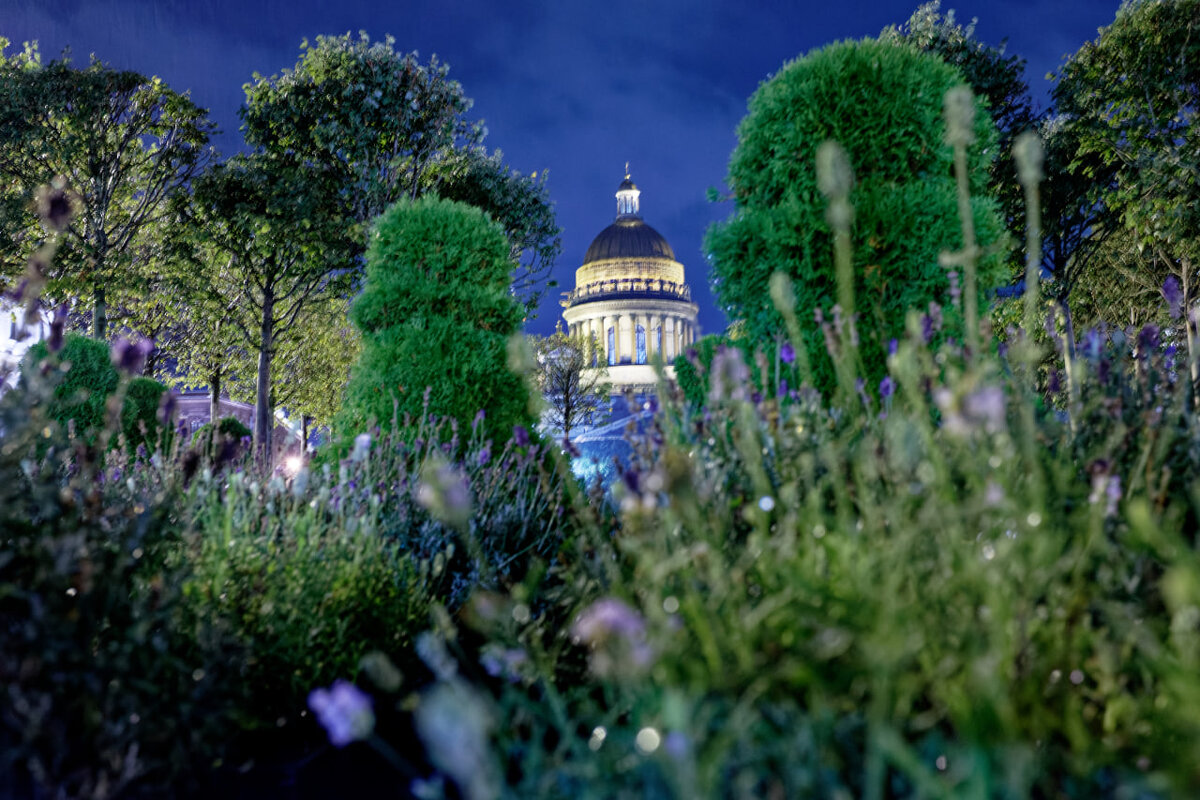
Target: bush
<point>107,685</point>
<point>139,418</point>
<point>883,104</point>
<point>228,429</point>
<point>437,283</point>
<point>89,379</point>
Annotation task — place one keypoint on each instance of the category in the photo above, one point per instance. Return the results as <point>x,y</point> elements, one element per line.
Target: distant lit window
<point>641,345</point>
<point>612,347</point>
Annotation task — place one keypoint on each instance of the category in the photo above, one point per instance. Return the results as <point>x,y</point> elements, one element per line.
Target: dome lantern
<point>627,196</point>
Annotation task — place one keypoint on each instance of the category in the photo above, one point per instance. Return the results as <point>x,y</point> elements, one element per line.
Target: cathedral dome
<point>628,237</point>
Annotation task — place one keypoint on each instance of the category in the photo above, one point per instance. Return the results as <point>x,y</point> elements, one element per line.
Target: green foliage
<point>107,684</point>
<point>883,104</point>
<point>437,283</point>
<point>389,127</point>
<point>694,375</point>
<point>997,79</point>
<point>124,142</point>
<point>273,242</point>
<point>89,380</point>
<point>81,397</point>
<point>377,117</point>
<point>518,202</point>
<point>228,429</point>
<point>1129,105</point>
<point>139,415</point>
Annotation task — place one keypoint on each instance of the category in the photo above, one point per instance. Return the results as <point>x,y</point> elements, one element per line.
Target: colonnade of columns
<point>681,334</point>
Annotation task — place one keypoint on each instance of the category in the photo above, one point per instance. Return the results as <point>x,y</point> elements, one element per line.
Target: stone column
<point>633,326</point>
<point>602,321</point>
<point>616,324</point>
<point>661,339</point>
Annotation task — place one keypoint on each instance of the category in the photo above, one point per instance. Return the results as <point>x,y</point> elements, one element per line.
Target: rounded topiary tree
<point>436,315</point>
<point>89,379</point>
<point>81,396</point>
<point>884,105</point>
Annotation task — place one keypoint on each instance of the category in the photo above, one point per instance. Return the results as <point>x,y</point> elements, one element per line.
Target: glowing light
<point>648,740</point>
<point>293,464</point>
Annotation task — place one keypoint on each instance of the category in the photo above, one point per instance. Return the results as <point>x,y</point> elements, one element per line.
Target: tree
<point>574,390</point>
<point>520,203</point>
<point>391,128</point>
<point>124,143</point>
<point>996,78</point>
<point>1130,101</point>
<point>278,242</point>
<point>435,317</point>
<point>884,105</point>
<point>312,364</point>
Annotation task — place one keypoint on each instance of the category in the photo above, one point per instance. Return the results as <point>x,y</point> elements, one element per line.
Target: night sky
<point>576,88</point>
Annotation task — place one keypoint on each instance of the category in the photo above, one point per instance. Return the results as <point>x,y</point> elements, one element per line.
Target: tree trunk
<point>214,396</point>
<point>100,315</point>
<point>1189,325</point>
<point>1073,398</point>
<point>262,405</point>
<point>304,418</point>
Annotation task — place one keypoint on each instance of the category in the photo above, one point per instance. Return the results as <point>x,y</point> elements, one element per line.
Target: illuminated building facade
<point>630,298</point>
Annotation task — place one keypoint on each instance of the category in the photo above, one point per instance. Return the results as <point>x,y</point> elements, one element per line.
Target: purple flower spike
<point>1148,338</point>
<point>1173,294</point>
<point>166,407</point>
<point>520,436</point>
<point>887,387</point>
<point>787,353</point>
<point>893,347</point>
<point>485,455</point>
<point>54,342</point>
<point>631,479</point>
<point>344,711</point>
<point>130,356</point>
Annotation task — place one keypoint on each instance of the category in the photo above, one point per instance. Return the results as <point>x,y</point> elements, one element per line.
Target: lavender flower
<point>520,436</point>
<point>617,636</point>
<point>480,415</point>
<point>54,341</point>
<point>893,347</point>
<point>1054,382</point>
<point>501,662</point>
<point>455,722</point>
<point>1173,294</point>
<point>886,387</point>
<point>631,479</point>
<point>362,446</point>
<point>484,456</point>
<point>445,493</point>
<point>787,353</point>
<point>130,357</point>
<point>1148,338</point>
<point>344,711</point>
<point>166,407</point>
<point>55,204</point>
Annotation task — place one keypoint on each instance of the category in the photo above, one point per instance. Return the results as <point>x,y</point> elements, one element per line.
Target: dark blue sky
<point>577,88</point>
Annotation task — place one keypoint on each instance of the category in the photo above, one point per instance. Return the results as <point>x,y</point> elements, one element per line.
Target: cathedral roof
<point>628,237</point>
